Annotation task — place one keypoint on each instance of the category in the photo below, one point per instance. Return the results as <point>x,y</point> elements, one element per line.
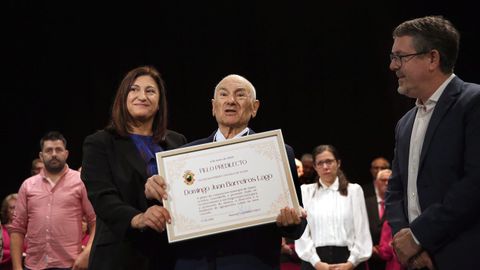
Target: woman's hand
<point>156,188</point>
<point>322,266</point>
<point>341,266</point>
<point>155,218</point>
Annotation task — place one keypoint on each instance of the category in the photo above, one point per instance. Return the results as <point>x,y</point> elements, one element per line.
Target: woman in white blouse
<point>337,235</point>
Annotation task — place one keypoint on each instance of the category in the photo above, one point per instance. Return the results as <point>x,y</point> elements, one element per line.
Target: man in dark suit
<point>374,193</point>
<point>233,105</point>
<point>372,190</point>
<point>375,210</point>
<point>433,194</point>
<point>377,164</point>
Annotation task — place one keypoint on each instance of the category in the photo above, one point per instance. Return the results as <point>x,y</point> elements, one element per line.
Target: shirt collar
<point>379,199</point>
<point>220,138</point>
<point>333,186</point>
<point>430,104</point>
<point>62,174</point>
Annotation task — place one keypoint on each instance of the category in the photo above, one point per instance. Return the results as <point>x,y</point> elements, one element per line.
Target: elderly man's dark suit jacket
<point>448,180</point>
<point>115,174</point>
<point>251,248</point>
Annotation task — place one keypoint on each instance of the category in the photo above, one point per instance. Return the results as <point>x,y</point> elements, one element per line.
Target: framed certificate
<point>224,186</point>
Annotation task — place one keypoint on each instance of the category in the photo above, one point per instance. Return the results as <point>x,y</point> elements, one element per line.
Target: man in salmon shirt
<point>48,214</point>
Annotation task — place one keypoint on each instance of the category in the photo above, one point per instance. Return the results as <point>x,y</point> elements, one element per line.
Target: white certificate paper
<point>223,186</point>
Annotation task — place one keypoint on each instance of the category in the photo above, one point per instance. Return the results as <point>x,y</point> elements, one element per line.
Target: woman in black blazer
<point>116,164</point>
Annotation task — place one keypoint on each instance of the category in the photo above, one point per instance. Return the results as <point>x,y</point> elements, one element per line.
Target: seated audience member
<point>375,209</point>
<point>385,249</point>
<point>288,257</point>
<point>377,164</point>
<point>309,174</point>
<point>8,207</point>
<point>1,242</point>
<point>37,166</point>
<point>299,166</point>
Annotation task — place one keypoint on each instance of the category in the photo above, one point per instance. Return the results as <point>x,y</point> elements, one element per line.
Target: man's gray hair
<point>384,171</point>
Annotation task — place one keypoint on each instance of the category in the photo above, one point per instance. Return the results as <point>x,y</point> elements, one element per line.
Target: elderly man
<point>233,105</point>
<point>375,209</point>
<point>377,164</point>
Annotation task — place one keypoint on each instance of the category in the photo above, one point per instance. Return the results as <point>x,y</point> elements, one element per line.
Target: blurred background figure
<point>1,242</point>
<point>375,208</point>
<point>289,259</point>
<point>383,250</point>
<point>299,166</point>
<point>37,166</point>
<point>377,164</point>
<point>309,173</point>
<point>8,207</point>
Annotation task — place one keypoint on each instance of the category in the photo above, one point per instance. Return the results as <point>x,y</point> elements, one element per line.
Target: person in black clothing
<point>116,163</point>
<point>233,105</point>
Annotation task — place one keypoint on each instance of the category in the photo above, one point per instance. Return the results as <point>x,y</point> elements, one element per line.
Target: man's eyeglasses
<point>398,58</point>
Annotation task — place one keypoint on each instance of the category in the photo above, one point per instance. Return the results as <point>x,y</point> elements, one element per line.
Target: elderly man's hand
<point>289,216</point>
<point>405,246</point>
<point>156,188</point>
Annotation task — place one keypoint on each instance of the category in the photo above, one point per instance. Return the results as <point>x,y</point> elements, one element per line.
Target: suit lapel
<point>408,127</point>
<point>445,101</point>
<point>373,208</point>
<point>125,145</point>
<point>211,138</point>
<point>406,135</point>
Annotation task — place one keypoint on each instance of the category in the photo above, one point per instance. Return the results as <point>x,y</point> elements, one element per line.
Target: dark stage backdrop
<point>320,69</point>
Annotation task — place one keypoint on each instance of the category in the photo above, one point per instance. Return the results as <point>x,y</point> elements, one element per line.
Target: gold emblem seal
<point>189,177</point>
